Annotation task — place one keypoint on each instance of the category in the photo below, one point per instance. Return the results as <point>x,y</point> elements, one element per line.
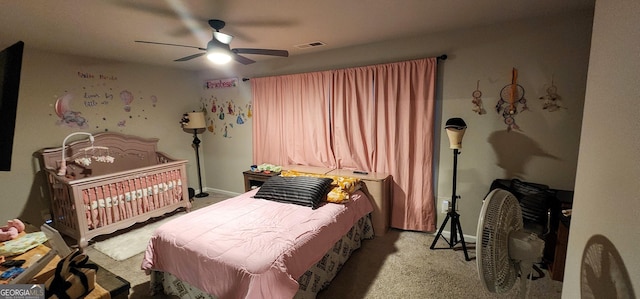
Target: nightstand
<point>379,187</point>
<point>254,179</point>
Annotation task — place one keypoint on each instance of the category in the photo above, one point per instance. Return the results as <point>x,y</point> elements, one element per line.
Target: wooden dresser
<point>557,265</point>
<point>379,187</point>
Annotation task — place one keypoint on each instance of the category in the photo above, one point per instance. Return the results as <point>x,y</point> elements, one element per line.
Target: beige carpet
<point>396,265</point>
<point>126,245</point>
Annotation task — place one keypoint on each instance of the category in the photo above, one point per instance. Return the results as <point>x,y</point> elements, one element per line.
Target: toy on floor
<point>11,230</point>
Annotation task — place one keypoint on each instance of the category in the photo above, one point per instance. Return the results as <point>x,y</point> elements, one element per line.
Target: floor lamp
<point>194,121</point>
<point>455,128</point>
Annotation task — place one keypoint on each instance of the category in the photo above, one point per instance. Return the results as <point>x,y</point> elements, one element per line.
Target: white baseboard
<point>230,193</point>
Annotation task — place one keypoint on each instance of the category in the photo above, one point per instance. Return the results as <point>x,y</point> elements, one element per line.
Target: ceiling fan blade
<point>172,11</point>
<point>151,9</point>
<point>218,6</point>
<point>190,57</point>
<point>242,59</point>
<point>166,44</point>
<point>237,32</point>
<point>281,53</point>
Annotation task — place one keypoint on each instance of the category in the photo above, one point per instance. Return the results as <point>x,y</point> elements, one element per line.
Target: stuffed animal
<point>11,230</point>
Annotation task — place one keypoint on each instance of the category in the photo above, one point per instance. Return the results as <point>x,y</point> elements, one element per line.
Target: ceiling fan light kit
<point>218,50</point>
<point>218,56</point>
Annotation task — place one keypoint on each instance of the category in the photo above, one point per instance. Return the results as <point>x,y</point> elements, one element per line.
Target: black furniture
<point>542,214</point>
<point>117,286</point>
<point>540,208</point>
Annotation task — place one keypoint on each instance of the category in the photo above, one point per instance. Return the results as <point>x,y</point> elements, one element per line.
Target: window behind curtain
<point>376,118</point>
<point>291,120</point>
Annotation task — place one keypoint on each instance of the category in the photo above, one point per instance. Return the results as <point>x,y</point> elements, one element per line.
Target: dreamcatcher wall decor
<point>551,101</point>
<point>511,95</point>
<point>477,100</point>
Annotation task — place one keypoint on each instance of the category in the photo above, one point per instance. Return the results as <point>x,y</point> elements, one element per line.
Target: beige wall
<point>47,76</point>
<point>545,152</point>
<point>555,46</point>
<point>228,148</point>
<point>606,185</point>
<point>607,190</point>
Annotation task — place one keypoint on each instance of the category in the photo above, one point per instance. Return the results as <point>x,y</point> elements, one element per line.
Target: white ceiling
<point>107,28</point>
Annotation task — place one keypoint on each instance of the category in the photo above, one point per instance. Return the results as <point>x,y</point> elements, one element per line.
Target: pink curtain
<point>405,103</point>
<point>291,120</point>
<point>353,118</point>
<point>381,120</point>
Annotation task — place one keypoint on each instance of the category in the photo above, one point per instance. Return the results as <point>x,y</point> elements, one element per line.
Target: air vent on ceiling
<point>310,45</point>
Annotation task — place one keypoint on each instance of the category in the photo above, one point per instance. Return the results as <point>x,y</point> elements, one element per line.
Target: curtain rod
<point>441,57</point>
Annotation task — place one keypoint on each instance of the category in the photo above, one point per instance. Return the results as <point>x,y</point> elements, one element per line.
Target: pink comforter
<point>250,248</point>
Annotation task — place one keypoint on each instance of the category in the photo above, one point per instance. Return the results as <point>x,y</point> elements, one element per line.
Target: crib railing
<point>93,206</point>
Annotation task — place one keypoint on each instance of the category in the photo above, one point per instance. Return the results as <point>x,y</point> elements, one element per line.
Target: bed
<point>111,183</point>
<point>247,247</point>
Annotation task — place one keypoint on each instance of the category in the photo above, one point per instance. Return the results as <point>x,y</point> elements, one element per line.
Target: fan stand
<point>454,216</point>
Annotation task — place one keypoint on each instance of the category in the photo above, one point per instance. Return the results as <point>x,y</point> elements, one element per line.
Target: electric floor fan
<point>504,249</point>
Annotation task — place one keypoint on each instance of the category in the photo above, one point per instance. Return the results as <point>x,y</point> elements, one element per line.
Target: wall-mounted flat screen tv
<point>10,66</point>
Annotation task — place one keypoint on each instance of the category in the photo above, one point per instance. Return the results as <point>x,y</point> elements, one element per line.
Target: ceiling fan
<point>218,49</point>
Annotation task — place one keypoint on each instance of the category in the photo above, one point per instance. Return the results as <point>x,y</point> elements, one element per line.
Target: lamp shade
<point>196,121</point>
<point>455,131</point>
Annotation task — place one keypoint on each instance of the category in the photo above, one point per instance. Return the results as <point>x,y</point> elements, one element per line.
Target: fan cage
<point>501,216</point>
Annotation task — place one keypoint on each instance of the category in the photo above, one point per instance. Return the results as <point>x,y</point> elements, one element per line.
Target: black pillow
<point>304,191</point>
